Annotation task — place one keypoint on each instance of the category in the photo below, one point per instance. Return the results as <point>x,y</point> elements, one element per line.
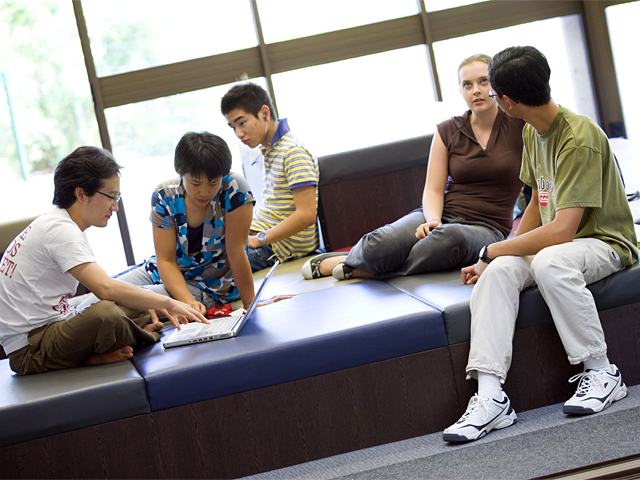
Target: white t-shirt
<point>34,284</point>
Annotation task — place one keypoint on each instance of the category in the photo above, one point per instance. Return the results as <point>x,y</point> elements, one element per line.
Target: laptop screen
<point>254,304</point>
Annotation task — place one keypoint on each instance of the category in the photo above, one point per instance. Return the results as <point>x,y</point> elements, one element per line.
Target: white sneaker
<point>482,415</point>
<point>596,391</point>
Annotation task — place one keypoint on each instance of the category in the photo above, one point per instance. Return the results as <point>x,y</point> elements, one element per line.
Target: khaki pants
<point>102,328</point>
<point>562,272</point>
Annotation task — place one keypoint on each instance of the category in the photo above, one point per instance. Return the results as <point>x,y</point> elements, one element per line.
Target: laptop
<point>218,327</point>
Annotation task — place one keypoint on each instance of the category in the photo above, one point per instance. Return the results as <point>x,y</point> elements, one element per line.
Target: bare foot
<point>123,353</point>
<point>328,264</point>
<point>153,327</point>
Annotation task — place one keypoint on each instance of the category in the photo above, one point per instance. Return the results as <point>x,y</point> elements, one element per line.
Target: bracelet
<point>435,220</point>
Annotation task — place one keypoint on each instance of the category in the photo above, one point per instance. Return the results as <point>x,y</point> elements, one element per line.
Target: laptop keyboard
<point>218,326</point>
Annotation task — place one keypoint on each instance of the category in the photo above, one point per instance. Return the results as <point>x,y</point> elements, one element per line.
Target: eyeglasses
<point>492,94</point>
<point>115,199</point>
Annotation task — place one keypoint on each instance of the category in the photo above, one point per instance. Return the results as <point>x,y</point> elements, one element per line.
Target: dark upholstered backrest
<point>364,189</point>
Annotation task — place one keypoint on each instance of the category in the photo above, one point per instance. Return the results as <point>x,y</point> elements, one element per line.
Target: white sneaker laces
<point>587,379</point>
<point>474,405</point>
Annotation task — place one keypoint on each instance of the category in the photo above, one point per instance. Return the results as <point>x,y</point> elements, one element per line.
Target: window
<point>288,19</point>
<point>45,81</point>
<point>622,20</point>
<point>132,35</point>
<point>359,102</point>
<point>563,44</point>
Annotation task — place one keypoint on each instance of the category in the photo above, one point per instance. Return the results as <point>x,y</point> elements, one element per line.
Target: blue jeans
<point>261,257</point>
<point>394,250</point>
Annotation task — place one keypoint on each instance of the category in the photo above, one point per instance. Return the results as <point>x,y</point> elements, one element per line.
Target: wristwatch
<point>483,255</point>
<point>262,238</point>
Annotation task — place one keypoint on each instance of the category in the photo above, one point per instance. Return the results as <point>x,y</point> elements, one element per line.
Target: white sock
<point>596,363</point>
<point>489,386</point>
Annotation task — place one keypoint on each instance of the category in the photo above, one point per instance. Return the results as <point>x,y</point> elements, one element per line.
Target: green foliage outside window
<point>42,60</point>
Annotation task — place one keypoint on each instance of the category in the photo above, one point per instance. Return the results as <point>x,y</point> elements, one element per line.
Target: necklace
<point>484,146</point>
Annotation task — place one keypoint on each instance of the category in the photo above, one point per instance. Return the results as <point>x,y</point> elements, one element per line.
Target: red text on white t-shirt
<point>63,306</point>
<point>8,266</point>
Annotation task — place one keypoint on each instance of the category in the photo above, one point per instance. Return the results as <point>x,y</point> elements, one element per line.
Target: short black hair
<point>87,168</point>
<point>248,97</point>
<point>523,74</point>
<point>199,153</point>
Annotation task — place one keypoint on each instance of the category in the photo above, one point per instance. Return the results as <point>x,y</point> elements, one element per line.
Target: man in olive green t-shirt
<point>576,230</point>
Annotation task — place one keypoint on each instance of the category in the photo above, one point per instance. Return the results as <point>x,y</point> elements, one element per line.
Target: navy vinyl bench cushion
<point>307,335</point>
<point>445,292</point>
<point>35,406</point>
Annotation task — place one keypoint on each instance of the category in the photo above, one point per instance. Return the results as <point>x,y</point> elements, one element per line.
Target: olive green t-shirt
<point>572,165</point>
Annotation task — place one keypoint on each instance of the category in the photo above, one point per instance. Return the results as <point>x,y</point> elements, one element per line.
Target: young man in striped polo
<point>284,225</point>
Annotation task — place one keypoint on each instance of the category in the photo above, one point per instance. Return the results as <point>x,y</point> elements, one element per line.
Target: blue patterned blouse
<point>205,265</point>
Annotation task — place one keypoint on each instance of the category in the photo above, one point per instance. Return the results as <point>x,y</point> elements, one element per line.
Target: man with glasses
<point>576,230</point>
<point>114,199</point>
<point>39,272</point>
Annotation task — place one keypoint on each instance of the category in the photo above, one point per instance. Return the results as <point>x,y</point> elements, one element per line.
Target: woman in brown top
<point>471,188</point>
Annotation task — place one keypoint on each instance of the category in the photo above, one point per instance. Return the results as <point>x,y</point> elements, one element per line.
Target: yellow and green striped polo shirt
<point>287,165</point>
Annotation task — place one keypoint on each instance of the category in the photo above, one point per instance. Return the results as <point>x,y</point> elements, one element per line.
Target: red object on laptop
<point>219,311</point>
